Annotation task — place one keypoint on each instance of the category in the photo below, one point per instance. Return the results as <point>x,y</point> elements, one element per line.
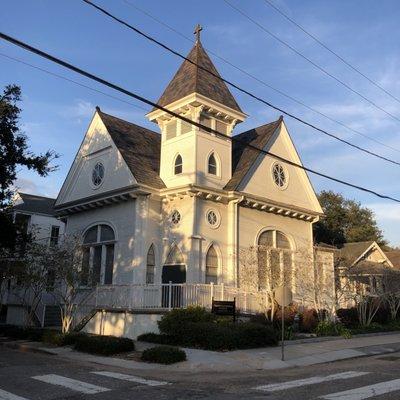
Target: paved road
<point>33,376</point>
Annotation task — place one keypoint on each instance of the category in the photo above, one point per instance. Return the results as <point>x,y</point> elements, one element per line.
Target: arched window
<point>212,266</point>
<point>150,265</point>
<point>178,166</point>
<point>212,164</point>
<point>175,257</point>
<point>274,260</point>
<point>98,255</point>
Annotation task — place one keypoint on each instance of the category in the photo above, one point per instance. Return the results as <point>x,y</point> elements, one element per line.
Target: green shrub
<point>328,328</point>
<point>157,338</point>
<point>164,355</point>
<point>22,333</point>
<point>175,322</point>
<point>309,321</point>
<point>104,345</point>
<point>260,319</point>
<point>348,317</point>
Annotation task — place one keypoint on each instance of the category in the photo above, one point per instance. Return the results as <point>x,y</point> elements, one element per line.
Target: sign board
<point>283,296</point>
<point>224,307</point>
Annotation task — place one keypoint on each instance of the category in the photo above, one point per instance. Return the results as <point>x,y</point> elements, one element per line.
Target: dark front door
<point>175,274</point>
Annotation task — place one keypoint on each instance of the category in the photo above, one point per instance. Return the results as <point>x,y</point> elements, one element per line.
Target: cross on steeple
<point>197,31</point>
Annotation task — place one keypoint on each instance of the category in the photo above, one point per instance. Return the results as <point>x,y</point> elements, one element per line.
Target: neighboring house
<point>360,267</point>
<point>164,217</point>
<point>35,215</point>
<point>394,257</point>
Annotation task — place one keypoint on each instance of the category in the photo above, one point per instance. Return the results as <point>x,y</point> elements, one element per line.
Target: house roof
<point>394,257</point>
<point>189,79</point>
<point>139,147</point>
<point>243,157</point>
<point>352,251</point>
<point>368,268</point>
<point>35,204</point>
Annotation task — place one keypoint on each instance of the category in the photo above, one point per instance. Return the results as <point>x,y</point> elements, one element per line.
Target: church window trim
<point>212,265</point>
<point>97,175</point>
<point>175,217</point>
<point>215,171</point>
<point>178,165</point>
<point>213,218</point>
<point>280,175</point>
<point>98,255</point>
<point>150,265</point>
<point>285,256</point>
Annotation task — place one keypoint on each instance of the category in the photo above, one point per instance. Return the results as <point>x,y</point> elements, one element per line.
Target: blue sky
<point>56,113</point>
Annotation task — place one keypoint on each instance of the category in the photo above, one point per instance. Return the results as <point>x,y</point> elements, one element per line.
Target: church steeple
<point>191,79</point>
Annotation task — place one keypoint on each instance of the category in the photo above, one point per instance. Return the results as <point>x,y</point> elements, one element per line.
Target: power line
<point>187,120</point>
<point>152,39</point>
<point>72,81</point>
<point>338,56</point>
<point>171,28</point>
<point>326,72</point>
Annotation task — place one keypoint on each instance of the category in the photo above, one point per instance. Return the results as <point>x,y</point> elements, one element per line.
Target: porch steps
<point>52,316</point>
<point>85,320</point>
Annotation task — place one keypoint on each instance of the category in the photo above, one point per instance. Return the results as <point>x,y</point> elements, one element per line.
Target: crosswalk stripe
<point>365,392</point>
<point>72,384</point>
<point>309,381</point>
<point>9,396</point>
<point>130,378</point>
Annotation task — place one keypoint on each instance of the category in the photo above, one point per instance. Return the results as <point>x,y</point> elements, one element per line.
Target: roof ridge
<point>36,195</point>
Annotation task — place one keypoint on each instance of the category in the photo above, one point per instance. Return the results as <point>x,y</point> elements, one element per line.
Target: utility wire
<point>71,81</point>
<point>152,39</point>
<point>171,28</point>
<point>326,72</point>
<point>187,120</point>
<point>338,56</point>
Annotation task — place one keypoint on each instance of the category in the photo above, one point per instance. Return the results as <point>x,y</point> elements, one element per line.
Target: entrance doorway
<point>176,274</point>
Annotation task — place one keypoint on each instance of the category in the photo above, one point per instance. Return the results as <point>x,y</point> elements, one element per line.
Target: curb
<point>25,346</point>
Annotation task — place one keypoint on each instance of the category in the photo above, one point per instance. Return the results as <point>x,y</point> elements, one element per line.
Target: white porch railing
<point>169,296</point>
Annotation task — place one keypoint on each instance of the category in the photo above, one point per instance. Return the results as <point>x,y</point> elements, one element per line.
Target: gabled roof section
<point>243,157</point>
<point>139,147</point>
<point>394,257</point>
<point>353,251</point>
<point>189,79</point>
<point>35,204</point>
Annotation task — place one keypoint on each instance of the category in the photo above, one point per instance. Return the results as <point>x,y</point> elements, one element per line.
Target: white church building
<point>179,205</point>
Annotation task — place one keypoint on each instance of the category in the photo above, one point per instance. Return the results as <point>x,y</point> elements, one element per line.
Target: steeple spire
<point>197,31</point>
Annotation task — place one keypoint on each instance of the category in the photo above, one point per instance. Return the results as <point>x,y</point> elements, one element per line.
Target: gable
<point>258,179</point>
<point>97,146</point>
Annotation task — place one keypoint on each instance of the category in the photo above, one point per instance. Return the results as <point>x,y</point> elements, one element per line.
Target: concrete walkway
<point>296,354</point>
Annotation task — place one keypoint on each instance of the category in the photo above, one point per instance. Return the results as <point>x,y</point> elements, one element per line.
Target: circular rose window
<point>175,217</point>
<point>279,175</point>
<point>213,219</point>
<point>98,174</point>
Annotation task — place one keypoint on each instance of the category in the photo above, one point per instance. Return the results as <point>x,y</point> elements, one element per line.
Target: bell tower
<point>190,155</point>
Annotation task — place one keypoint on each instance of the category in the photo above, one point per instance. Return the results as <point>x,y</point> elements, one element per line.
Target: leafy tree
<point>14,152</point>
<point>345,221</point>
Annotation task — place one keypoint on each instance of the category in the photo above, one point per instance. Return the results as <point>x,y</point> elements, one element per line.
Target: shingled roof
<point>352,251</point>
<point>139,147</point>
<point>394,257</point>
<point>35,204</point>
<point>189,79</point>
<point>243,157</point>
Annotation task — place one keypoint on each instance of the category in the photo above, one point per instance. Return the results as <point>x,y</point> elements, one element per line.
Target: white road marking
<point>72,384</point>
<point>130,378</point>
<point>365,392</point>
<point>9,396</point>
<point>309,381</point>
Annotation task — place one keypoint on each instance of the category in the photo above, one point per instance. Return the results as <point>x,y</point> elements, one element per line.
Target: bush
<point>61,339</point>
<point>104,345</point>
<point>22,333</point>
<point>175,322</point>
<point>164,355</point>
<point>157,338</point>
<point>260,319</point>
<point>309,321</point>
<point>328,328</point>
<point>348,317</point>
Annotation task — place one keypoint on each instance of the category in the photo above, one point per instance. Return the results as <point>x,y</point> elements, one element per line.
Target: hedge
<point>104,345</point>
<point>163,355</point>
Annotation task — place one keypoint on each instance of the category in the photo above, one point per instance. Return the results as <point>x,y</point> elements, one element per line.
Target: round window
<point>213,219</point>
<point>175,217</point>
<point>98,174</point>
<point>279,175</point>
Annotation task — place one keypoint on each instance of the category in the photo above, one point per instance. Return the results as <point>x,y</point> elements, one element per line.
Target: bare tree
<point>390,282</point>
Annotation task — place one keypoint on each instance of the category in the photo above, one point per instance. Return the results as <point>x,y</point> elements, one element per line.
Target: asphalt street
<point>33,376</point>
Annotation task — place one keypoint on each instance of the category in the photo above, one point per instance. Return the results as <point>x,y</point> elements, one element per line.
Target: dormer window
<point>212,164</point>
<point>178,166</point>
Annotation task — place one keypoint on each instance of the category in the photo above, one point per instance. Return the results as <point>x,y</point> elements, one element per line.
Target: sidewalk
<point>296,354</point>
